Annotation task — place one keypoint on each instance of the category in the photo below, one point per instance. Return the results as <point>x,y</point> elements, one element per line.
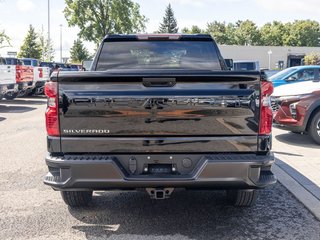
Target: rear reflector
<point>266,117</point>
<point>52,112</point>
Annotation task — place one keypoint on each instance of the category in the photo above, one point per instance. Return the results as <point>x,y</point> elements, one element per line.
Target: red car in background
<point>299,114</point>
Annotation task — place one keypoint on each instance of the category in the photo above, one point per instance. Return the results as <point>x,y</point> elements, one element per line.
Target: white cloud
<point>187,2</point>
<point>25,5</point>
<point>201,3</point>
<point>294,6</point>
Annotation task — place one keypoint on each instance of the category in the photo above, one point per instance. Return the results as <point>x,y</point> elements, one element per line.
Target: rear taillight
<point>40,73</point>
<point>52,116</point>
<point>265,125</point>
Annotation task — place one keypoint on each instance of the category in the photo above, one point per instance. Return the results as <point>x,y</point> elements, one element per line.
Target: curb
<point>309,200</point>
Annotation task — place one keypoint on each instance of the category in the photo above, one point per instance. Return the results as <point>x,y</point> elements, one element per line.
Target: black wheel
<point>242,198</point>
<point>77,198</point>
<point>32,92</point>
<point>10,96</point>
<point>314,128</point>
<point>23,93</point>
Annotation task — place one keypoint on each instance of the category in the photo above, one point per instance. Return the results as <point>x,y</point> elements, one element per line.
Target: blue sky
<point>16,15</point>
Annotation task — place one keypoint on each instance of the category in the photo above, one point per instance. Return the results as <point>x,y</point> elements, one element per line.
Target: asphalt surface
<point>31,210</point>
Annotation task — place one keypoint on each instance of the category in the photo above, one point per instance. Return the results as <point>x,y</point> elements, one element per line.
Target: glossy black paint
<point>83,145</point>
<point>210,111</point>
<point>114,123</point>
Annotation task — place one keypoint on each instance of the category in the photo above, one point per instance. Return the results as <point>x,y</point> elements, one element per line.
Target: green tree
<point>4,40</point>
<point>185,30</point>
<point>30,47</point>
<point>273,34</point>
<point>46,46</point>
<point>194,30</point>
<point>312,59</point>
<point>222,33</point>
<point>302,33</point>
<point>169,23</point>
<point>97,18</point>
<point>247,33</point>
<point>78,52</point>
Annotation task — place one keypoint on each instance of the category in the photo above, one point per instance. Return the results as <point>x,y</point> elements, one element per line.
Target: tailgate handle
<point>159,82</point>
<point>82,101</point>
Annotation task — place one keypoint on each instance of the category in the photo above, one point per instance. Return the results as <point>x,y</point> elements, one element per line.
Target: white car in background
<point>298,88</point>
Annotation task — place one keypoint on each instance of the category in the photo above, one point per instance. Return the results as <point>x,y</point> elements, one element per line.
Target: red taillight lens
<point>40,73</point>
<point>52,112</point>
<point>51,89</point>
<point>265,126</point>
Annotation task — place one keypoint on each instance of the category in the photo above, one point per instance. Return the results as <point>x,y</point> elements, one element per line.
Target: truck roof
<point>29,59</point>
<point>245,61</point>
<point>154,36</point>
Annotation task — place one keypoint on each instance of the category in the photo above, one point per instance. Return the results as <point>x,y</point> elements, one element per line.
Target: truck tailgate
<point>7,74</point>
<point>215,112</point>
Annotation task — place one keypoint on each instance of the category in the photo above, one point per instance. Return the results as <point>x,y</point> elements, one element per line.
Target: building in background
<point>280,57</point>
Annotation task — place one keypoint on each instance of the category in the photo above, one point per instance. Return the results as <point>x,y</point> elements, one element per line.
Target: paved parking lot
<point>31,210</point>
<point>298,151</point>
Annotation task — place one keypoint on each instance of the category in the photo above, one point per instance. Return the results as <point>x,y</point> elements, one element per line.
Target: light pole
<point>60,42</point>
<point>269,53</point>
<point>49,28</point>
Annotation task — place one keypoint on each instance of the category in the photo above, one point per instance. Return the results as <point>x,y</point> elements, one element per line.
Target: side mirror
<point>229,63</point>
<point>290,79</point>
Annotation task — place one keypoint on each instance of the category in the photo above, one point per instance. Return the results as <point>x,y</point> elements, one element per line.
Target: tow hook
<point>159,193</point>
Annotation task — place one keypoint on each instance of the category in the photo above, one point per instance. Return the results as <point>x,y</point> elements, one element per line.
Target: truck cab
<point>8,85</point>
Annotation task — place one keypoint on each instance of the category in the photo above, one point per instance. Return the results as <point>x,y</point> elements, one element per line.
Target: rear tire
<point>32,92</point>
<point>10,96</point>
<point>77,199</point>
<point>23,93</point>
<point>314,128</point>
<point>242,198</point>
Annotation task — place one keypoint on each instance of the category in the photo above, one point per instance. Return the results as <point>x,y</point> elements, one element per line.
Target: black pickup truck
<point>158,112</point>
